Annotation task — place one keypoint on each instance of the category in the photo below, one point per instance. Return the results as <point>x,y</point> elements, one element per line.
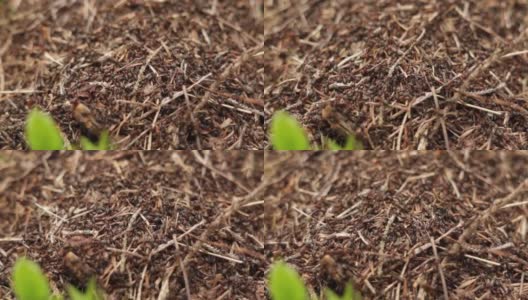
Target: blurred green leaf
<point>285,283</point>
<point>42,133</point>
<point>91,292</point>
<point>353,144</point>
<point>287,134</point>
<point>75,294</point>
<point>29,281</point>
<point>102,144</point>
<point>349,294</point>
<point>332,145</point>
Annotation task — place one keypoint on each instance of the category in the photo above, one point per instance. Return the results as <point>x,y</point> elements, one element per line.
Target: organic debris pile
<point>157,74</point>
<point>145,225</point>
<point>402,74</point>
<point>408,225</point>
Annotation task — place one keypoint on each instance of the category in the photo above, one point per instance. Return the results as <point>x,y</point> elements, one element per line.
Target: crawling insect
<point>337,121</point>
<point>77,267</point>
<point>335,271</point>
<point>89,125</point>
<point>330,268</point>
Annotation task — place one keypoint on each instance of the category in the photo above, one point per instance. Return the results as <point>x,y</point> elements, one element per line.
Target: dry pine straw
<point>402,225</point>
<point>411,74</point>
<point>159,74</point>
<point>169,225</point>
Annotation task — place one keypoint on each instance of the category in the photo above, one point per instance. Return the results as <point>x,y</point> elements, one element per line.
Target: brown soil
<point>118,214</point>
<point>371,217</point>
<point>129,62</point>
<point>376,63</point>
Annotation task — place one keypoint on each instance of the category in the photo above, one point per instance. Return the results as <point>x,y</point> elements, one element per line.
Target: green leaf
<point>75,294</point>
<point>332,145</point>
<point>86,144</point>
<point>353,144</point>
<point>104,141</point>
<point>286,284</point>
<point>29,281</point>
<point>287,134</point>
<point>349,294</point>
<point>42,133</point>
<point>91,292</point>
<point>102,144</point>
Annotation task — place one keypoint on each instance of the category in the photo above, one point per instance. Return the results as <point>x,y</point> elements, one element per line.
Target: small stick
<point>486,214</point>
<point>391,70</point>
<point>439,264</point>
<point>143,68</point>
<point>19,92</point>
<point>521,290</point>
<point>223,76</point>
<point>11,239</point>
<point>382,244</point>
<point>229,177</point>
<point>515,53</point>
<point>487,261</point>
<point>193,119</point>
<point>182,267</point>
<point>442,120</point>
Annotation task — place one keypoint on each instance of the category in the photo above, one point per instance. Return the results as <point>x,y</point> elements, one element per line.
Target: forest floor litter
<point>156,74</point>
<point>412,75</point>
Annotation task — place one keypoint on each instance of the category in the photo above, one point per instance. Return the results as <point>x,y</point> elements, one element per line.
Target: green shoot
<point>351,144</point>
<point>29,283</point>
<point>42,133</point>
<point>286,284</point>
<point>287,134</point>
<point>103,143</point>
<point>349,294</point>
<point>332,145</point>
<point>91,292</point>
